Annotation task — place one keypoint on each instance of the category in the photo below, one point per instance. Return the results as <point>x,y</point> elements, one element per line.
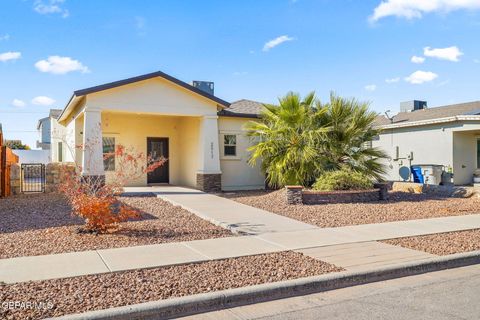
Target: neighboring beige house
<point>201,135</point>
<point>448,136</point>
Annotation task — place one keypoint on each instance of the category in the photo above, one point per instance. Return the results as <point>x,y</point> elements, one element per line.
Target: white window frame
<point>223,156</point>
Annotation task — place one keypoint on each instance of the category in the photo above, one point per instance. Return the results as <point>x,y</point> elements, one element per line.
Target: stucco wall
<point>442,144</point>
<point>237,174</point>
<point>464,156</point>
<point>153,96</point>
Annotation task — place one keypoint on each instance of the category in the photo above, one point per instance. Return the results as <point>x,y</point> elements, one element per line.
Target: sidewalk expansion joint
<point>103,260</point>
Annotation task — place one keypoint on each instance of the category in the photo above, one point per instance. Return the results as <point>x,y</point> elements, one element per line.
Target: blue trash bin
<point>417,174</point>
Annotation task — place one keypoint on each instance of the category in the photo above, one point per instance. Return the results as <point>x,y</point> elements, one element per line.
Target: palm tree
<point>347,143</point>
<point>286,141</point>
<point>297,140</point>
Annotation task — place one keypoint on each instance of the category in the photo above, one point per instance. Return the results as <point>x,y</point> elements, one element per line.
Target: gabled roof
<point>80,93</point>
<point>243,108</point>
<point>430,114</point>
<point>147,76</point>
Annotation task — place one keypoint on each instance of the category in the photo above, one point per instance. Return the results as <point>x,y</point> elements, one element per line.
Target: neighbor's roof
<point>423,116</point>
<point>54,113</point>
<point>80,93</point>
<point>243,108</point>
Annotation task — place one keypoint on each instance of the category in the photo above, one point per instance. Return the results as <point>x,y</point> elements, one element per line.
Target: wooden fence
<point>7,159</point>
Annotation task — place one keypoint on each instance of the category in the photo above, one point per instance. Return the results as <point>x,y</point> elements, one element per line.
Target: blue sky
<point>251,49</point>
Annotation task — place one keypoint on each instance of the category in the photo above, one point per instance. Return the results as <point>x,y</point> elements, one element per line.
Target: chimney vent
<point>205,86</point>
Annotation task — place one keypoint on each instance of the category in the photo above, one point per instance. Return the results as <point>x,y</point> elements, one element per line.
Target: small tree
<point>16,145</point>
<point>95,201</point>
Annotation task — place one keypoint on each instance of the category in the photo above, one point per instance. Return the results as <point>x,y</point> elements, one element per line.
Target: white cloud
<point>277,41</point>
<point>60,65</point>
<point>450,53</point>
<point>240,73</point>
<point>476,60</point>
<point>18,103</point>
<point>411,9</point>
<point>43,101</point>
<point>419,77</point>
<point>392,80</point>
<point>5,37</point>
<point>50,7</point>
<point>417,59</point>
<point>370,87</point>
<point>6,56</point>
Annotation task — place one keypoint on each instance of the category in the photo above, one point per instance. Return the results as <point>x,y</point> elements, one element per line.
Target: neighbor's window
<point>230,145</point>
<point>108,153</point>
<point>60,152</point>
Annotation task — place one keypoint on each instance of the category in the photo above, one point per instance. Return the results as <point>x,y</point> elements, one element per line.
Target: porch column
<point>209,174</point>
<point>92,160</point>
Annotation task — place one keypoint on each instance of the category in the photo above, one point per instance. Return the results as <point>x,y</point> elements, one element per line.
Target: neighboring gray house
<point>44,128</point>
<point>447,136</point>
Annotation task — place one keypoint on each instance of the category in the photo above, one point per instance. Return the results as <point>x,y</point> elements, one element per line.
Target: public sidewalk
<point>309,241</point>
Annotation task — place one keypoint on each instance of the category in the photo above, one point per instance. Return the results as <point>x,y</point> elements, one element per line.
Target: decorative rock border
<point>297,195</point>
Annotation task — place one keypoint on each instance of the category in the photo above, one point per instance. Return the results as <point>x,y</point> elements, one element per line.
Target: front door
<point>157,148</point>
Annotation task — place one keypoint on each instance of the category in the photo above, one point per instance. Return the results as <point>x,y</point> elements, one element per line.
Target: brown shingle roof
<point>468,108</point>
<point>243,108</point>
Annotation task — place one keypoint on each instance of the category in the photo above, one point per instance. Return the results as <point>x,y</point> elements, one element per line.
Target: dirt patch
<point>42,224</point>
<point>400,206</point>
<point>441,243</point>
<point>85,293</point>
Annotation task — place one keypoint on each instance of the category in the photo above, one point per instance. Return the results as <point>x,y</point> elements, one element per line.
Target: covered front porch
<point>189,143</point>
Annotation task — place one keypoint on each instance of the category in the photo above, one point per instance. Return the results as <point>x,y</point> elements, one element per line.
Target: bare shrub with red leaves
<point>95,201</point>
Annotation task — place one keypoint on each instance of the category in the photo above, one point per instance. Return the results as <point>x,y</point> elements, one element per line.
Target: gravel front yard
<point>42,224</point>
<point>401,206</point>
<point>95,292</point>
<point>441,243</point>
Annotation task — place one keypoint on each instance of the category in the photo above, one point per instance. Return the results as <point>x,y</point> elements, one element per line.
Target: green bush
<point>343,179</point>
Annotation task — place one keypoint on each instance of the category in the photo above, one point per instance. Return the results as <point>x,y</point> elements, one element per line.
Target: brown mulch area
<point>400,206</point>
<point>85,293</point>
<point>441,243</point>
<point>42,224</point>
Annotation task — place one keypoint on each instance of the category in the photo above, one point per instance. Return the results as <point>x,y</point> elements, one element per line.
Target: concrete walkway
<point>120,259</point>
<point>229,214</point>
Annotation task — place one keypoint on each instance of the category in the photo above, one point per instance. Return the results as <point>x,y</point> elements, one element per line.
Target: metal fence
<point>33,177</point>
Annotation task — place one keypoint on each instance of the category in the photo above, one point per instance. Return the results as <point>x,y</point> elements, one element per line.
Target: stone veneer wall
<point>15,176</point>
<point>55,173</point>
<point>296,195</point>
<point>209,182</point>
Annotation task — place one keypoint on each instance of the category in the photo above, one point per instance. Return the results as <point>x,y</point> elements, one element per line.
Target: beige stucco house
<point>200,134</point>
<point>447,136</point>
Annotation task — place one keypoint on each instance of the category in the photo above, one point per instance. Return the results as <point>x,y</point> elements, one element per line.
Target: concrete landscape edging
<point>205,302</point>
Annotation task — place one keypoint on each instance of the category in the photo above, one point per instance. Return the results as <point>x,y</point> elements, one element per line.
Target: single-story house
<point>201,135</point>
<point>447,135</point>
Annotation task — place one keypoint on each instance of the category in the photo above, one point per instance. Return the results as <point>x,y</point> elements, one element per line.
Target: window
<point>230,145</point>
<point>60,152</point>
<point>108,153</point>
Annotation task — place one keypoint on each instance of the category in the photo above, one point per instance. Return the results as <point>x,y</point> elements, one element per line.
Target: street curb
<point>205,302</point>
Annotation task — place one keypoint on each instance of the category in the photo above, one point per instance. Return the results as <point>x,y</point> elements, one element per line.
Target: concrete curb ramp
<point>205,302</point>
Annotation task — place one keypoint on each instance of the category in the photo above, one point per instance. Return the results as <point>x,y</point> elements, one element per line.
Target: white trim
<point>430,121</point>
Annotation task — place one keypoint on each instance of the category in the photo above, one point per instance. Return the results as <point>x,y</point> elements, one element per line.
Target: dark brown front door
<point>157,148</point>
